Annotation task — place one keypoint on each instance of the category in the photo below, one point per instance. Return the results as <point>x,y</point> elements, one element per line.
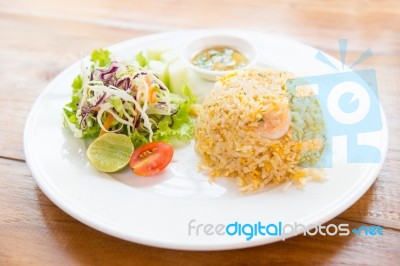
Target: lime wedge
<point>110,152</point>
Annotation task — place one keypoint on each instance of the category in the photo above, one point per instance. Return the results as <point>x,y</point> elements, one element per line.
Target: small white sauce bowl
<point>191,49</point>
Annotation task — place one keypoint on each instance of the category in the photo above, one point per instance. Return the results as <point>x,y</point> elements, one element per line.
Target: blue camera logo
<point>350,106</point>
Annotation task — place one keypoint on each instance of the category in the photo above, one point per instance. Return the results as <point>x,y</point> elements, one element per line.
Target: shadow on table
<point>90,247</point>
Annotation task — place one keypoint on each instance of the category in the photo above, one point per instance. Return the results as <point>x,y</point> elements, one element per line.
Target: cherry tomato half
<point>151,158</point>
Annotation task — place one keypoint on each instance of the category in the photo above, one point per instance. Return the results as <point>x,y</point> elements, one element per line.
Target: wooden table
<point>38,39</point>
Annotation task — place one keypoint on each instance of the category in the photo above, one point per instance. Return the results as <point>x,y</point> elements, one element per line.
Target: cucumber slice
<point>155,53</point>
<point>199,87</point>
<point>178,76</point>
<point>160,69</point>
<point>169,56</point>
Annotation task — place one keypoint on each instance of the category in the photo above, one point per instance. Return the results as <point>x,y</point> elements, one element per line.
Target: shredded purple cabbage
<point>82,124</point>
<point>108,76</point>
<point>162,87</point>
<point>139,74</point>
<point>85,110</point>
<point>124,83</point>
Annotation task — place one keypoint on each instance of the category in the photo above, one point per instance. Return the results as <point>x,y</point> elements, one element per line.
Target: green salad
<point>130,98</point>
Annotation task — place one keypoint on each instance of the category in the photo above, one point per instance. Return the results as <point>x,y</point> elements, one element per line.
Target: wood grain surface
<point>38,39</point>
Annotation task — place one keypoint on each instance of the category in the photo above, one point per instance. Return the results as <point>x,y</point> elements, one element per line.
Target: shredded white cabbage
<point>115,92</point>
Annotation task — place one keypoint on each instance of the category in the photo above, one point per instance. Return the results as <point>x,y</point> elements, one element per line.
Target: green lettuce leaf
<point>103,57</point>
<point>141,59</point>
<point>187,92</point>
<point>176,127</point>
<point>71,107</point>
<point>93,129</point>
<point>77,84</point>
<point>117,104</point>
<point>138,139</point>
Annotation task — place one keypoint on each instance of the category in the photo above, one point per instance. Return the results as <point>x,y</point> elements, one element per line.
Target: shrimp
<point>275,123</point>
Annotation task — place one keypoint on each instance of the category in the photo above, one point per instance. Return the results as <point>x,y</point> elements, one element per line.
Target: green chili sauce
<point>220,59</point>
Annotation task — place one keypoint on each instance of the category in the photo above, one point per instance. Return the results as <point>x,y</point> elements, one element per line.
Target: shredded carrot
<point>148,80</point>
<point>152,95</point>
<point>107,123</point>
<point>152,90</point>
<point>136,117</point>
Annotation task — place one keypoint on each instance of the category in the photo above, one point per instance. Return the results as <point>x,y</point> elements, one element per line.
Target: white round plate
<point>156,211</point>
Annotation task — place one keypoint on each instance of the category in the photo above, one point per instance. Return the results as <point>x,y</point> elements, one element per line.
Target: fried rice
<point>252,129</point>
